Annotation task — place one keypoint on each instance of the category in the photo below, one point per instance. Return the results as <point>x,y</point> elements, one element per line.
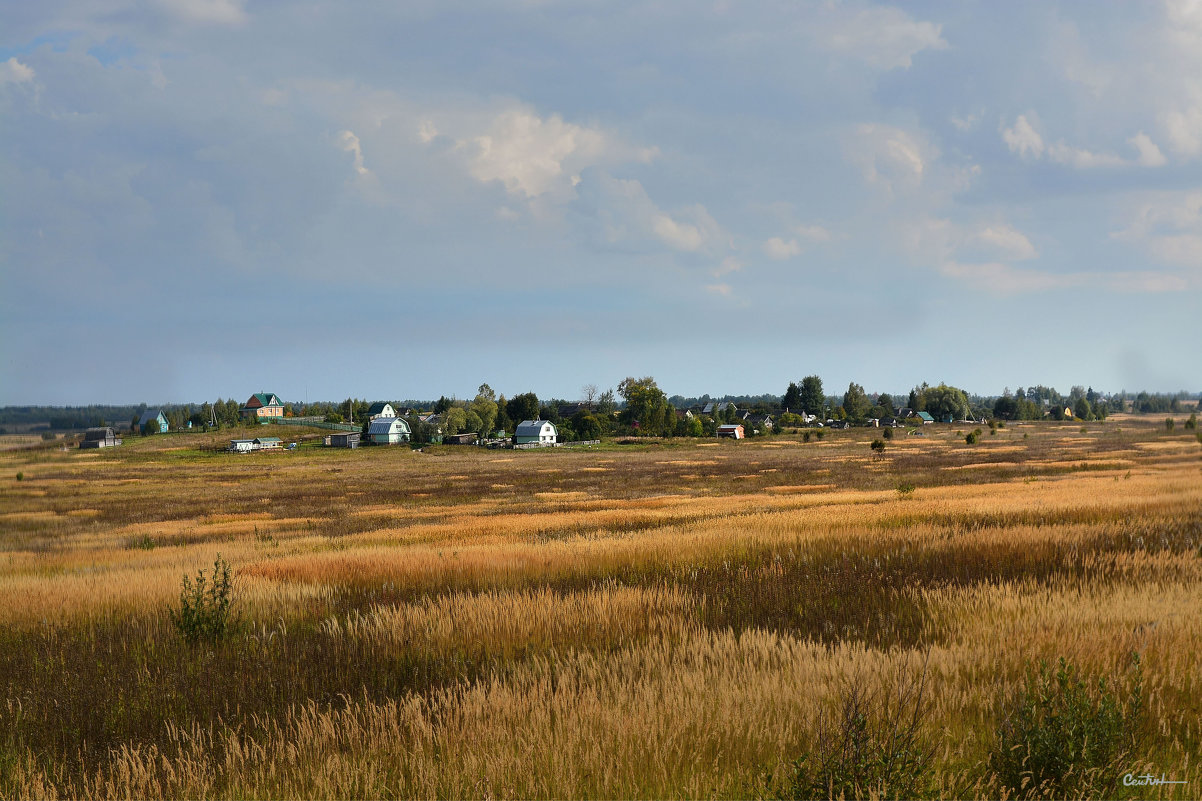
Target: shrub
<point>869,744</point>
<point>805,437</point>
<point>1169,424</point>
<point>1192,423</point>
<point>878,446</point>
<point>905,489</point>
<point>1058,739</point>
<point>821,433</point>
<point>204,605</point>
<point>887,433</point>
<point>47,436</point>
<point>20,476</point>
<point>971,438</point>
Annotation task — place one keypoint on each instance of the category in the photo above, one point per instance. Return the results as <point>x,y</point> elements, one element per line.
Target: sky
<point>393,200</point>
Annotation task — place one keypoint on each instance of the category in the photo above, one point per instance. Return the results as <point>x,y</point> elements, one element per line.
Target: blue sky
<point>203,198</point>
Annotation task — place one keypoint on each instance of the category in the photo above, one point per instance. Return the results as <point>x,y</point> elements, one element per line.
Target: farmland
<point>663,619</point>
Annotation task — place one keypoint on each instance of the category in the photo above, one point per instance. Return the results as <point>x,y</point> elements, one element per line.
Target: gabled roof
<point>533,428</point>
<point>926,416</point>
<point>387,425</point>
<point>149,415</point>
<point>379,406</point>
<point>267,399</point>
<point>266,440</point>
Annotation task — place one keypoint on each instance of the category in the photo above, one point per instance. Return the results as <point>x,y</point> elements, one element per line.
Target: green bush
<point>20,476</point>
<point>905,489</point>
<point>1192,423</point>
<point>869,745</point>
<point>971,437</point>
<point>1169,424</point>
<point>878,446</point>
<point>204,612</point>
<point>887,433</point>
<point>1059,739</point>
<point>805,437</point>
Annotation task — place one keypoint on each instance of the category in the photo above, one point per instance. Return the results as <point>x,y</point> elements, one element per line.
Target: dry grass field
<point>670,619</point>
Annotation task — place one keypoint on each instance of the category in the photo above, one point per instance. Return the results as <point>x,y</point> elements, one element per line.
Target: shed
<point>268,443</point>
<point>926,417</point>
<point>732,430</point>
<point>154,416</point>
<point>101,437</point>
<point>535,432</point>
<point>388,431</point>
<point>460,439</point>
<point>345,440</point>
<point>243,445</point>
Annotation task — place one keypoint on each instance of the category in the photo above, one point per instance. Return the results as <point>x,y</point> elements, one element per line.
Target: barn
<point>102,437</point>
<point>732,430</point>
<point>535,432</point>
<point>388,431</point>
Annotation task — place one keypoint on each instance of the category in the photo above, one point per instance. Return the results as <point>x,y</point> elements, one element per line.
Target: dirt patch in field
<point>792,488</point>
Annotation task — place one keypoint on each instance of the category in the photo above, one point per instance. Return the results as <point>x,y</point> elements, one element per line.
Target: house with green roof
<point>264,406</point>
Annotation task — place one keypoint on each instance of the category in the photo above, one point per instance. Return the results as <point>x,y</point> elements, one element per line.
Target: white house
<point>535,432</point>
<point>388,431</point>
<point>380,409</point>
<point>243,445</point>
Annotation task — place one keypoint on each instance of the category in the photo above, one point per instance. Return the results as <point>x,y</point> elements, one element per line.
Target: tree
<point>855,403</point>
<point>454,420</point>
<point>503,423</point>
<point>588,395</point>
<point>442,404</point>
<point>646,405</point>
<point>522,407</point>
<point>944,401</point>
<point>792,399</point>
<point>1082,410</point>
<point>606,404</point>
<point>586,425</point>
<point>812,398</point>
<point>885,401</point>
<point>484,406</point>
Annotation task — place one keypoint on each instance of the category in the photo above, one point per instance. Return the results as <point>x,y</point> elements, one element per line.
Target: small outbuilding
<point>268,443</point>
<point>731,430</point>
<point>349,439</point>
<point>388,431</point>
<point>243,445</point>
<point>460,439</point>
<point>535,432</point>
<point>101,437</point>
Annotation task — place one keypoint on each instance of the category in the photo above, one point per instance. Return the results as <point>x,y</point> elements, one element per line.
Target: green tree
<point>885,401</point>
<point>792,399</point>
<point>1082,410</point>
<point>944,401</point>
<point>812,397</point>
<point>855,403</point>
<point>646,405</point>
<point>503,423</point>
<point>484,405</point>
<point>454,420</point>
<point>522,407</point>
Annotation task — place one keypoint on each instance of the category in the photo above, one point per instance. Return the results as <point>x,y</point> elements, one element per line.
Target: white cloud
<point>1169,228</point>
<point>885,37</point>
<point>719,289</point>
<point>889,156</point>
<point>729,265</point>
<point>1003,279</point>
<point>1183,129</point>
<point>1007,242</point>
<point>1023,139</point>
<point>1149,153</point>
<point>779,249</point>
<point>219,12</point>
<point>966,122</point>
<point>532,156</point>
<point>13,71</point>
<point>350,143</point>
<point>1082,159</point>
<point>814,233</point>
<point>627,215</point>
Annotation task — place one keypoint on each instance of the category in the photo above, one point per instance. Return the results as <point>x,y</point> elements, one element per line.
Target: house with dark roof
<point>381,409</point>
<point>156,417</point>
<point>102,437</point>
<point>263,405</point>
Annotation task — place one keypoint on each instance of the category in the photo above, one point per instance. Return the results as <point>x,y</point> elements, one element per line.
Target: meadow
<point>653,620</point>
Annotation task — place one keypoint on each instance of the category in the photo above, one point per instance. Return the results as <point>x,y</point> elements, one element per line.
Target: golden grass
<point>575,607</point>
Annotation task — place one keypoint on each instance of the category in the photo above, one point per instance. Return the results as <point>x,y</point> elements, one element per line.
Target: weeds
<point>204,605</point>
<point>870,744</point>
<point>1059,739</point>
